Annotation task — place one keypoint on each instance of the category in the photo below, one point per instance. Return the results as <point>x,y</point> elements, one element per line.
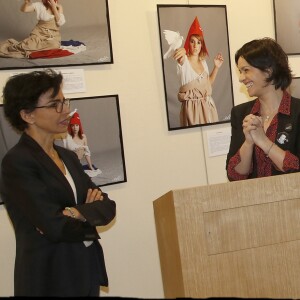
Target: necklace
<point>57,160</point>
<point>268,117</point>
<point>52,154</point>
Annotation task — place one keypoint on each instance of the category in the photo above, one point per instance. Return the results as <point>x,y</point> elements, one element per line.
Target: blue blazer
<point>55,262</point>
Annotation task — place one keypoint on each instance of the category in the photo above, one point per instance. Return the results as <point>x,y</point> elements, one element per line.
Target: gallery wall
<point>157,160</point>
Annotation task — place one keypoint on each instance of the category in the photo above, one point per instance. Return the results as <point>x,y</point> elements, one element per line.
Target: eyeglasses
<point>57,105</point>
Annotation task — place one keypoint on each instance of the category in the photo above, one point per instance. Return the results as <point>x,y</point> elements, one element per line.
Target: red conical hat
<point>75,120</point>
<point>195,29</point>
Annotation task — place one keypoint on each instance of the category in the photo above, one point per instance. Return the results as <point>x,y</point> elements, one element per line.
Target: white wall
<point>156,160</point>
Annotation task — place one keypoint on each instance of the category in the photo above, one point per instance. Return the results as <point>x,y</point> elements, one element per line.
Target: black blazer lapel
<point>48,164</point>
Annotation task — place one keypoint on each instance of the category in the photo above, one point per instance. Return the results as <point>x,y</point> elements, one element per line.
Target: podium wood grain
<point>235,239</point>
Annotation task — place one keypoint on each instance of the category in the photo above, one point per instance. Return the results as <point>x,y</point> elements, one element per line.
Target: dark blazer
<point>289,124</point>
<point>34,191</point>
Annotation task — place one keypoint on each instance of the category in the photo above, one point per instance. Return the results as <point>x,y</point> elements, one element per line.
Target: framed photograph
<point>195,95</point>
<point>294,88</point>
<point>83,38</point>
<point>100,122</point>
<point>287,25</point>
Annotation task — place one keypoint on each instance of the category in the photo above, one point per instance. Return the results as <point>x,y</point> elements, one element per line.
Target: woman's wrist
<point>249,144</point>
<point>267,152</point>
<point>74,213</point>
<point>71,212</point>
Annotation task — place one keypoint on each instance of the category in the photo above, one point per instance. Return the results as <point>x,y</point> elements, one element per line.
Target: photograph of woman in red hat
<point>195,93</point>
<point>76,141</point>
<point>196,65</point>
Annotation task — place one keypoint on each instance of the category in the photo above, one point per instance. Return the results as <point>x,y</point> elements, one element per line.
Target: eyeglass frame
<point>55,104</point>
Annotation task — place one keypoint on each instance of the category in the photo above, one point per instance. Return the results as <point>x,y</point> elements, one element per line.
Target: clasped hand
<point>253,129</point>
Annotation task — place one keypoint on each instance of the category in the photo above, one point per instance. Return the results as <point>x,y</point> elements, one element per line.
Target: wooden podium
<point>236,239</point>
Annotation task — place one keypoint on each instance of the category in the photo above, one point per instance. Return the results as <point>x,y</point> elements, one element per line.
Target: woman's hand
<point>258,135</point>
<point>179,55</point>
<point>26,6</point>
<point>254,130</point>
<point>250,123</point>
<point>93,195</point>
<point>52,3</point>
<point>218,60</point>
<point>55,7</point>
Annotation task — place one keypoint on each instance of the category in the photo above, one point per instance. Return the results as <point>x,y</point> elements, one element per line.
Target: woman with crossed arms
<point>52,203</point>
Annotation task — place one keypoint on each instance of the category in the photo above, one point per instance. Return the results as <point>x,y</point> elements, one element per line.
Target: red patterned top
<point>264,163</point>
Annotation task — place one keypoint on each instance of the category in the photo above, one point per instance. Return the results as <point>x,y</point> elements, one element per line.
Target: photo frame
<point>213,22</point>
<point>287,25</point>
<point>85,36</point>
<point>101,123</point>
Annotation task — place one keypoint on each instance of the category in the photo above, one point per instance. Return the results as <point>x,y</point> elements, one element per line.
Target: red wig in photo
<point>46,3</point>
<point>196,30</point>
<point>75,120</point>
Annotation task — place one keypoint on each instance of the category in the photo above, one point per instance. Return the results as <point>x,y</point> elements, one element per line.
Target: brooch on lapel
<point>282,137</point>
<point>288,127</point>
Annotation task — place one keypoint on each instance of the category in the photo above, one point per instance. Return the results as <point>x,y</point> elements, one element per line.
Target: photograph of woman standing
<point>196,65</point>
<point>195,93</point>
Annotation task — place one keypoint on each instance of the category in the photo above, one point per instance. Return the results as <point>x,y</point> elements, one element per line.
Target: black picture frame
<point>87,22</point>
<point>101,123</point>
<point>213,21</point>
<point>287,25</point>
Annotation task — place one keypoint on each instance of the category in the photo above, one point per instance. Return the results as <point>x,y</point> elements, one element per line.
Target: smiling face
<point>253,78</point>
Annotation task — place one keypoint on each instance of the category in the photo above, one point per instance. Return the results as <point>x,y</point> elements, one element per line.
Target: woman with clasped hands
<point>53,205</point>
<point>265,137</point>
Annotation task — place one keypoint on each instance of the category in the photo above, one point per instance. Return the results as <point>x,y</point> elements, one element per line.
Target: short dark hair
<point>22,91</point>
<point>266,54</point>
